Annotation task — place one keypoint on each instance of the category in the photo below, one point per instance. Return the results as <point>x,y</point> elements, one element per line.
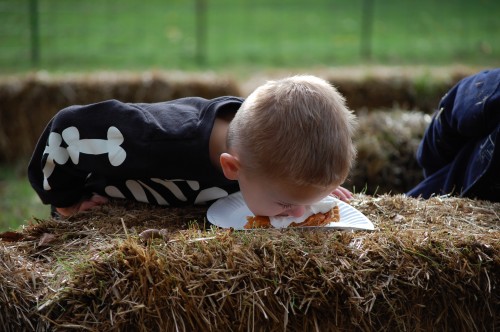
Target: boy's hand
<point>93,201</point>
<point>342,194</point>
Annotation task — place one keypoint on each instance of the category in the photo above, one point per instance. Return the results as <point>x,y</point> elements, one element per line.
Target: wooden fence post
<point>34,33</point>
<point>201,31</point>
<point>366,29</point>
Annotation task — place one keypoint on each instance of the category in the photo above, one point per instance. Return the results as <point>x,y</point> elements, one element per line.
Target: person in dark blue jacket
<point>460,151</point>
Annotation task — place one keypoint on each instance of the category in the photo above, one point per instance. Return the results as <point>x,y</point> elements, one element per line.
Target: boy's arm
<point>80,141</point>
<point>65,188</point>
<point>95,148</point>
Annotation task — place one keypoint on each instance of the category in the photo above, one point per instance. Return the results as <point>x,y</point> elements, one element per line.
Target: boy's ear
<point>230,166</point>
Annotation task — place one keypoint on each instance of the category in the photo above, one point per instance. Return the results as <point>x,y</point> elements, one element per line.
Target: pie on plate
<point>232,212</point>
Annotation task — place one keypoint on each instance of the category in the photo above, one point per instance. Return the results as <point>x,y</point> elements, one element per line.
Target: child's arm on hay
<point>152,153</point>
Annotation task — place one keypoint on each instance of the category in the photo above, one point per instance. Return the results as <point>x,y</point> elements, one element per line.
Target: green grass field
<point>18,201</point>
<point>247,34</point>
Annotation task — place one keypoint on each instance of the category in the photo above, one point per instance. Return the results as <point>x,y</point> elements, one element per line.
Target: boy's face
<point>265,196</point>
<point>268,197</point>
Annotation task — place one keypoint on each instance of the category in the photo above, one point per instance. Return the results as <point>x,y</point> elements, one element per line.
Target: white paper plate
<point>231,211</point>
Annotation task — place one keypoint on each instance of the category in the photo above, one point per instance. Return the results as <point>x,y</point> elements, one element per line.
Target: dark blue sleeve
<point>469,111</point>
<point>460,150</point>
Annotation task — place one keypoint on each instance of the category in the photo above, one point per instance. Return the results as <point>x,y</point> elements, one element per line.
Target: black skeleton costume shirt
<point>156,153</point>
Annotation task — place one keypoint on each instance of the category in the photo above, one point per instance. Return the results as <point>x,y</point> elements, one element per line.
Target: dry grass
<point>430,265</point>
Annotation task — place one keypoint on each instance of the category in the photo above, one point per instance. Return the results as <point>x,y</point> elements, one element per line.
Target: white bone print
<point>55,153</point>
<point>111,146</point>
<point>139,190</point>
<point>174,189</point>
<point>210,194</point>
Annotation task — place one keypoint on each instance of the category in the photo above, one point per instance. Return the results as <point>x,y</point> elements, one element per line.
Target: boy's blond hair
<point>296,129</point>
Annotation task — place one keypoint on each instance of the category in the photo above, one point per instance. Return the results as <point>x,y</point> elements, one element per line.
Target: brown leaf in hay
<point>47,239</point>
<point>11,236</point>
<point>149,234</point>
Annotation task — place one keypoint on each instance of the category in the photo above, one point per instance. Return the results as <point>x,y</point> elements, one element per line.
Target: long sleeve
<point>460,150</point>
<point>468,112</point>
<point>113,147</point>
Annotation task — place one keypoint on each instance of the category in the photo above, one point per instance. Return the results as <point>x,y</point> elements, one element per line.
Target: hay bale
<point>387,142</point>
<point>375,87</point>
<point>430,265</point>
<point>397,90</point>
<point>27,103</point>
<point>16,296</point>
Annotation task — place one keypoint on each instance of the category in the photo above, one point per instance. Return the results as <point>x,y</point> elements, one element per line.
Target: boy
<point>288,145</point>
<point>460,152</point>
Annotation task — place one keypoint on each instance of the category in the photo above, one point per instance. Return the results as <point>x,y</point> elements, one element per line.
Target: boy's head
<point>296,131</point>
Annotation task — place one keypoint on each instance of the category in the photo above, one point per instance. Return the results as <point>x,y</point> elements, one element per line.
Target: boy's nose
<point>296,211</point>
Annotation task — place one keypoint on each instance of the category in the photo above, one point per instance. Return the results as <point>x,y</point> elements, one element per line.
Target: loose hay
<point>430,265</point>
<point>387,143</point>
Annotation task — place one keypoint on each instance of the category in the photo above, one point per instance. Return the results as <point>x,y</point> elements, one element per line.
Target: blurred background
<point>55,53</point>
<point>235,34</point>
